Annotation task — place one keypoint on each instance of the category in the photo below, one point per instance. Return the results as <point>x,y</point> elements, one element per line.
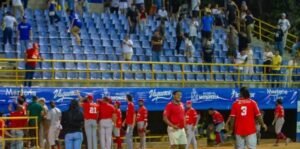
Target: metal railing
<point>182,74</point>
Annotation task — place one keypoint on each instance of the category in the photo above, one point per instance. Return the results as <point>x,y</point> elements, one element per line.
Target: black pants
<point>54,18</point>
<point>132,28</point>
<point>7,36</point>
<point>28,75</point>
<point>114,10</point>
<point>178,43</point>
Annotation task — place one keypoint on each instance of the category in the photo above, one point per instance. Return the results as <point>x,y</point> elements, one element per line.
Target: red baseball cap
<point>141,99</point>
<point>90,97</point>
<point>35,45</point>
<point>118,103</point>
<point>188,102</point>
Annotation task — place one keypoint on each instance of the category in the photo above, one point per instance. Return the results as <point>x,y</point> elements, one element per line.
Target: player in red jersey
<point>129,121</point>
<point>218,121</point>
<point>118,125</point>
<point>18,123</point>
<point>278,122</point>
<point>90,114</point>
<point>142,123</point>
<point>173,116</point>
<point>191,118</point>
<point>242,116</point>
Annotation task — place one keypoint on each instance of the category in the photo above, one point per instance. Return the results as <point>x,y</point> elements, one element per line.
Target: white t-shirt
<point>162,13</point>
<point>9,21</point>
<point>240,60</point>
<point>54,115</point>
<point>17,3</point>
<point>115,3</point>
<point>267,56</point>
<point>139,2</point>
<point>284,24</point>
<point>193,28</point>
<point>127,46</point>
<point>215,11</point>
<point>195,5</point>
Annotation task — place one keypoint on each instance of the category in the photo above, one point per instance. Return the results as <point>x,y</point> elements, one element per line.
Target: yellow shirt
<point>276,62</point>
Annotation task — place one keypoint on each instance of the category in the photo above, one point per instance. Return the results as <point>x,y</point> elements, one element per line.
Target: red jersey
<point>18,123</point>
<point>2,126</point>
<point>130,113</point>
<point>279,111</point>
<point>90,110</point>
<point>175,114</point>
<point>244,111</point>
<point>119,118</point>
<point>106,111</point>
<point>191,116</point>
<point>32,54</point>
<point>142,114</point>
<point>217,117</point>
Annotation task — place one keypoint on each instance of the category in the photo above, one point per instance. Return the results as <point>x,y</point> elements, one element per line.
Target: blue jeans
<point>17,144</point>
<point>7,36</point>
<point>73,140</point>
<point>29,75</point>
<point>275,77</point>
<point>156,55</point>
<point>24,45</point>
<point>279,47</point>
<point>129,133</point>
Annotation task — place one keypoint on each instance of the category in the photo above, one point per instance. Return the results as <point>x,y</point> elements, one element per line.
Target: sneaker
<point>287,141</point>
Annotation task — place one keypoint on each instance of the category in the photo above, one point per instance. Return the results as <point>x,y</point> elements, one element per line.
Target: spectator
<point>79,6</point>
<point>142,123</point>
<point>20,101</point>
<point>193,29</point>
<point>140,4</point>
<point>114,6</point>
<point>249,21</point>
<point>132,16</point>
<point>231,13</point>
<point>241,59</point>
<point>195,8</point>
<point>75,25</point>
<point>5,5</point>
<point>296,47</point>
<point>207,25</point>
<point>208,53</point>
<point>72,123</point>
<point>176,6</point>
<point>189,48</point>
<point>18,8</point>
<point>127,48</point>
<point>162,14</point>
<point>290,75</point>
<point>243,41</point>
<point>3,134</point>
<point>267,58</point>
<point>24,35</point>
<point>9,23</point>
<point>218,16</point>
<point>179,36</point>
<point>52,12</point>
<point>123,6</point>
<point>279,40</point>
<point>44,125</point>
<point>232,42</point>
<point>161,29</point>
<point>18,124</point>
<point>35,110</point>
<point>244,9</point>
<point>129,121</point>
<point>249,70</point>
<point>285,25</point>
<point>276,62</point>
<point>118,125</point>
<point>208,8</point>
<point>54,117</point>
<point>142,18</point>
<point>157,42</point>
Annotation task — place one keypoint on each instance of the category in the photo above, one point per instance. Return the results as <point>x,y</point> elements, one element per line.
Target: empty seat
<point>139,76</point>
<point>146,67</point>
<point>160,76</point>
<point>190,77</point>
<point>106,76</point>
<point>128,76</point>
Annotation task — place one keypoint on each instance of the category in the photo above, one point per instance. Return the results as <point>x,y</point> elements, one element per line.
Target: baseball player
<point>54,116</point>
<point>218,121</point>
<point>129,121</point>
<point>118,125</point>
<point>142,123</point>
<point>191,118</point>
<point>243,114</point>
<point>278,122</point>
<point>90,114</point>
<point>173,116</point>
<point>107,119</point>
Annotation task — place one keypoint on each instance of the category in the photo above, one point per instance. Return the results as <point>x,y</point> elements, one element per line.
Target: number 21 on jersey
<point>93,110</point>
<point>244,110</point>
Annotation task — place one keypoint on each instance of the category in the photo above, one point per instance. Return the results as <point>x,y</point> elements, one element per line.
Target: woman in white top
<point>267,57</point>
<point>127,48</point>
<point>189,48</point>
<point>193,29</point>
<point>249,69</point>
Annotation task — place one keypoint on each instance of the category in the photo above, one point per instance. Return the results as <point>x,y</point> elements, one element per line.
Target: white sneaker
<point>287,141</point>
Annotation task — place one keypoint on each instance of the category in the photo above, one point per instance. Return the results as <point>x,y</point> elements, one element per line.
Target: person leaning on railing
<point>267,59</point>
<point>276,62</point>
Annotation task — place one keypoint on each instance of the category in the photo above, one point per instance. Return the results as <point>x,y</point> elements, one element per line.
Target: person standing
<point>18,8</point>
<point>173,116</point>
<point>249,21</point>
<point>208,53</point>
<point>207,26</point>
<point>72,122</point>
<point>189,48</point>
<point>142,123</point>
<point>118,125</point>
<point>278,122</point>
<point>249,69</point>
<point>244,111</point>
<point>75,25</point>
<point>179,36</point>
<point>191,118</point>
<point>232,43</point>
<point>44,125</point>
<point>3,133</point>
<point>9,23</point>
<point>276,63</point>
<point>54,117</point>
<point>195,8</point>
<point>157,42</point>
<point>54,18</point>
<point>17,125</point>
<point>90,114</point>
<point>285,25</point>
<point>129,121</point>
<point>231,13</point>
<point>24,35</point>
<point>107,118</point>
<point>218,121</point>
<point>31,57</point>
<point>194,29</point>
<point>133,17</point>
<point>240,60</point>
<point>267,58</point>
<point>279,40</point>
<point>127,48</point>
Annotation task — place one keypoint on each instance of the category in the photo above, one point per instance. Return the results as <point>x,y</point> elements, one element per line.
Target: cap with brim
<point>188,102</point>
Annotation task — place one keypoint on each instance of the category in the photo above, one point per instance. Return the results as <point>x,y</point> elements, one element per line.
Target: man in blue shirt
<point>207,25</point>
<point>24,36</point>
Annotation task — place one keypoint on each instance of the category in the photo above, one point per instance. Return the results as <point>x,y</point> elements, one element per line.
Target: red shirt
<point>142,114</point>
<point>217,117</point>
<point>191,116</point>
<point>106,111</point>
<point>244,111</point>
<point>130,114</point>
<point>279,111</point>
<point>175,114</point>
<point>32,54</point>
<point>90,110</point>
<point>18,123</point>
<point>2,126</point>
<point>119,118</point>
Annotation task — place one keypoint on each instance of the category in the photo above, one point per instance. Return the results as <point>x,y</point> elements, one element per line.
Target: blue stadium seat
<point>139,76</point>
<point>219,77</point>
<point>60,75</point>
<point>160,76</point>
<point>167,68</point>
<point>95,75</point>
<point>59,66</point>
<point>190,77</point>
<point>93,66</point>
<point>176,68</point>
<point>70,66</point>
<point>126,67</point>
<point>146,67</point>
<point>82,75</point>
<point>106,76</point>
<point>136,67</point>
<point>170,77</point>
<point>228,78</point>
<point>47,75</point>
<point>158,67</point>
<point>179,77</point>
<point>72,75</point>
<point>128,76</point>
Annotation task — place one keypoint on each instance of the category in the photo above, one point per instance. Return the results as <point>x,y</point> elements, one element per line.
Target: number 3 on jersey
<point>244,111</point>
<point>93,110</point>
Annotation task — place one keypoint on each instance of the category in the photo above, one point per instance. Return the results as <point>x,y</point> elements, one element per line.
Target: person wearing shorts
<point>127,48</point>
<point>174,117</point>
<point>118,125</point>
<point>218,121</point>
<point>54,116</point>
<point>244,112</point>
<point>191,118</point>
<point>142,123</point>
<point>75,25</point>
